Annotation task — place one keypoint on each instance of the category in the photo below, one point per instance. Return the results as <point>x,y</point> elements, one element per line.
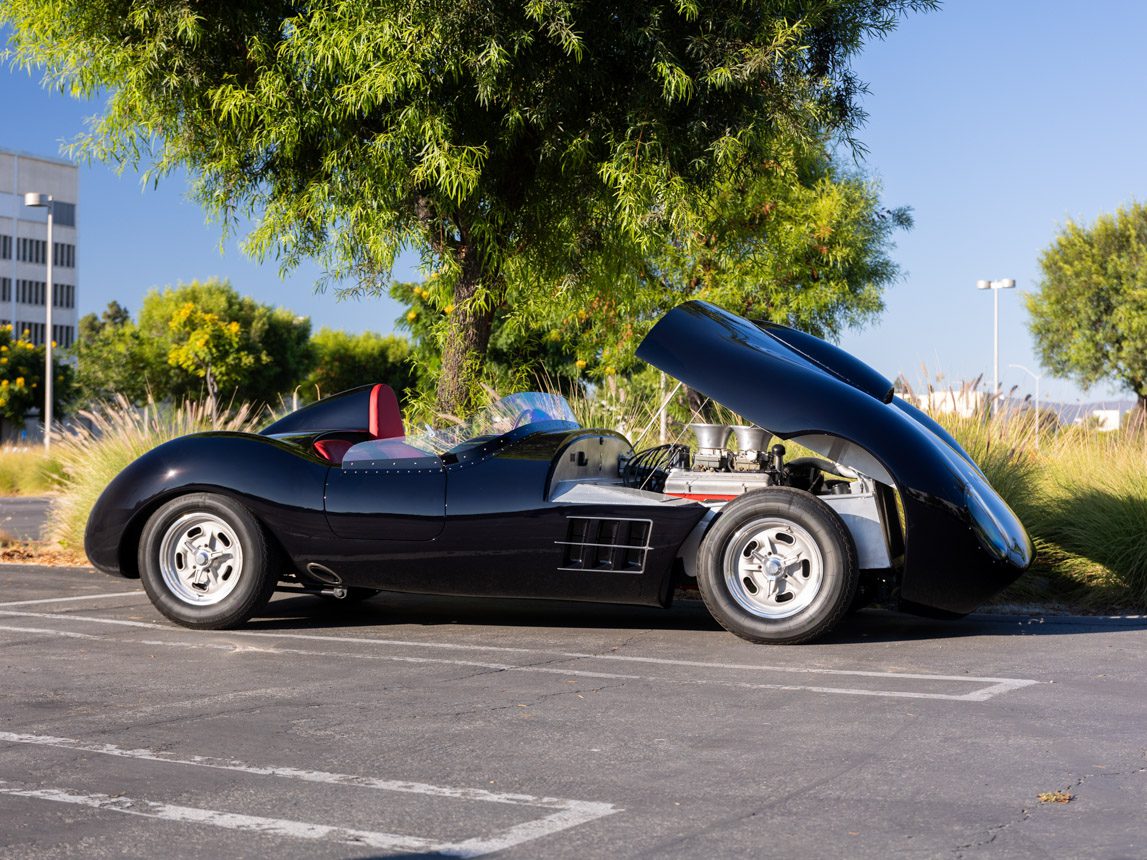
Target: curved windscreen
<point>514,412</point>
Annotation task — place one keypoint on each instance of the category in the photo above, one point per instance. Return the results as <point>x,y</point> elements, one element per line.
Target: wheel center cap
<point>202,557</point>
<point>773,566</point>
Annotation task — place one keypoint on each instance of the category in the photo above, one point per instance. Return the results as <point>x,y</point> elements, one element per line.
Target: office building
<point>24,247</point>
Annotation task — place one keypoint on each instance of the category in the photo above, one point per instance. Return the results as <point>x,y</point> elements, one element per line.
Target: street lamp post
<point>995,287</point>
<point>45,201</point>
<point>1037,377</point>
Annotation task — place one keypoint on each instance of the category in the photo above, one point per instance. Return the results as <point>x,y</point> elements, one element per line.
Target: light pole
<point>1037,378</point>
<point>995,287</point>
<point>45,201</point>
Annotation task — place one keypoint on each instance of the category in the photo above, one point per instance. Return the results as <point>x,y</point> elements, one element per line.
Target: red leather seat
<point>333,449</point>
<point>383,422</point>
<point>385,416</point>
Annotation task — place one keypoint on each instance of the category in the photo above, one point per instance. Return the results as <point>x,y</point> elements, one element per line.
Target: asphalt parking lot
<point>409,727</point>
<point>23,517</point>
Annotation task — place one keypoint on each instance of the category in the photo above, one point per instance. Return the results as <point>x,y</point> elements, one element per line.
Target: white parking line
<point>228,820</point>
<point>990,687</point>
<point>566,813</point>
<point>572,655</point>
<point>69,599</point>
<point>472,794</point>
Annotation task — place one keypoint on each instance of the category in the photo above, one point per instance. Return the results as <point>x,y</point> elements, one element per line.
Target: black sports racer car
<point>337,499</point>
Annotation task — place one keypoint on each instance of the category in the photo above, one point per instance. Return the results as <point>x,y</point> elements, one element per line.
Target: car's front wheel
<point>779,566</point>
<point>206,562</point>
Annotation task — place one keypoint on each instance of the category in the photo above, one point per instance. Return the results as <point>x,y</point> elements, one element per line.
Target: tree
<point>191,337</point>
<point>266,357</point>
<point>806,244</point>
<point>22,376</point>
<point>548,144</point>
<point>345,360</point>
<point>1089,315</point>
<point>211,348</point>
<point>110,359</point>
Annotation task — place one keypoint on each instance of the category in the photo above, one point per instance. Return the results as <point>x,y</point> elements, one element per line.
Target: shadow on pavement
<point>869,625</point>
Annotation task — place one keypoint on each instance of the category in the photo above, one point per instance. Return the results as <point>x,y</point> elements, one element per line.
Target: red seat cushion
<point>333,449</point>
<point>385,416</point>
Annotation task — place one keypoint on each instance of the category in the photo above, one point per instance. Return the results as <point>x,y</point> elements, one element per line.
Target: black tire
<point>169,543</point>
<point>751,603</point>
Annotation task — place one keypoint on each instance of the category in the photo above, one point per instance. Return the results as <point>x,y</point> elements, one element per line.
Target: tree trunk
<point>212,392</point>
<point>1137,421</point>
<point>467,336</point>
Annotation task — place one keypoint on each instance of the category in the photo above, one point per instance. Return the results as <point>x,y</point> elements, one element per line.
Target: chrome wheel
<point>773,568</point>
<point>200,558</point>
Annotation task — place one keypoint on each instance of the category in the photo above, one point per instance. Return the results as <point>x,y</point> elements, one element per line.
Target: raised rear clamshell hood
<point>963,543</point>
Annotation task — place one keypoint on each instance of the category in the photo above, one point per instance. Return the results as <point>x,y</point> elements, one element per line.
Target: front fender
<point>828,401</point>
<point>281,484</point>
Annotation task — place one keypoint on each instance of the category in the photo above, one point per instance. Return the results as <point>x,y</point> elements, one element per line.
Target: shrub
<point>1083,498</point>
<point>27,471</point>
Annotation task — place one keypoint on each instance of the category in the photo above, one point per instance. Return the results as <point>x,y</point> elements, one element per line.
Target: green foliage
<point>1089,316</point>
<point>802,242</point>
<point>550,146</point>
<point>1082,497</point>
<point>210,347</point>
<point>22,376</point>
<point>196,337</point>
<point>806,244</point>
<point>111,436</point>
<point>266,356</point>
<point>27,472</point>
<point>345,360</point>
<point>111,358</point>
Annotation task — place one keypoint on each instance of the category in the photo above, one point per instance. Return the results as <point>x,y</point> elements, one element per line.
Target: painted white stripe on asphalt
<point>470,794</point>
<point>227,820</point>
<point>995,688</point>
<point>572,655</point>
<point>137,592</point>
<point>567,813</point>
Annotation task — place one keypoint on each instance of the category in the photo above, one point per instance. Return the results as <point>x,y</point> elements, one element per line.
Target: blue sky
<point>995,121</point>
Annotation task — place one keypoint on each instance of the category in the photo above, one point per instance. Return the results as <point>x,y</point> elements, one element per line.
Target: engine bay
<point>714,472</point>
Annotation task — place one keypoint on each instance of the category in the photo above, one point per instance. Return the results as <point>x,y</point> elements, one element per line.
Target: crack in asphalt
<point>725,823</point>
<point>1025,814</point>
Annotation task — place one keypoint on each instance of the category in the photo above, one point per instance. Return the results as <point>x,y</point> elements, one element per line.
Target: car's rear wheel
<point>778,566</point>
<point>205,561</point>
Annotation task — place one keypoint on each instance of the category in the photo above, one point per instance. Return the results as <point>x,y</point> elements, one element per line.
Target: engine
<point>716,473</point>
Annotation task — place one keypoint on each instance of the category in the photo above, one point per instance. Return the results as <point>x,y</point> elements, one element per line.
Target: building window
<point>5,247</point>
<point>31,331</point>
<point>33,292</point>
<point>63,335</point>
<point>32,250</point>
<point>64,255</point>
<point>64,213</point>
<point>63,296</point>
<point>5,289</point>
